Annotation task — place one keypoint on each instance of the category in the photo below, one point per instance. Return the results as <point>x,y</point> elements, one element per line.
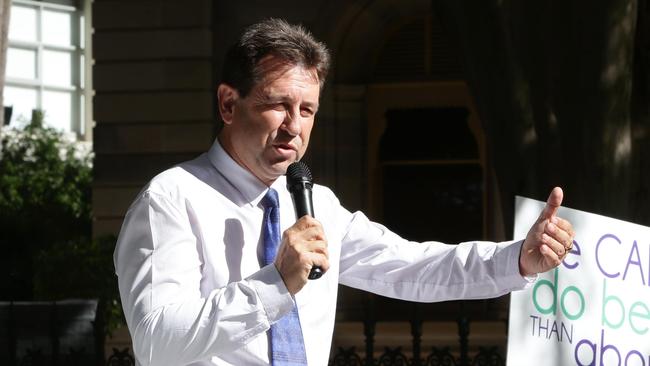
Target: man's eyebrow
<point>271,99</point>
<point>313,106</point>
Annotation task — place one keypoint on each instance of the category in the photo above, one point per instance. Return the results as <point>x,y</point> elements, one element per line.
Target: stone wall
<point>154,88</point>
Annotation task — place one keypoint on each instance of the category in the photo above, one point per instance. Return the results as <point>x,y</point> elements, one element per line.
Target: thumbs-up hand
<point>549,239</point>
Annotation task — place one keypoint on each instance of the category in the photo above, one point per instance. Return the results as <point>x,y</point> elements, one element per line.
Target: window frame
<point>80,87</point>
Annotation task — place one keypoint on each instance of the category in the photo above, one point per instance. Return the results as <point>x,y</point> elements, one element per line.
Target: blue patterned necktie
<point>287,345</point>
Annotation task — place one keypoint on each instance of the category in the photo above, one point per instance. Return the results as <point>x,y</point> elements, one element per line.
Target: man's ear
<point>226,98</point>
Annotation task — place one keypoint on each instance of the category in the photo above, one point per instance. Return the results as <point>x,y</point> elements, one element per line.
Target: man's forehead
<point>271,68</point>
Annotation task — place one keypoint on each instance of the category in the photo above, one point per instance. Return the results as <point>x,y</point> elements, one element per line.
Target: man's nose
<point>292,123</point>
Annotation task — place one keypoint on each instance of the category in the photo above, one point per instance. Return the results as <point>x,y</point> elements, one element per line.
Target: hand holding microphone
<point>299,184</point>
<point>303,253</point>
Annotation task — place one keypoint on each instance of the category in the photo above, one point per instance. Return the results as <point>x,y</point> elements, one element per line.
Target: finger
<point>553,203</point>
<point>315,246</point>
<point>559,235</point>
<point>550,257</point>
<point>305,222</point>
<point>304,241</point>
<point>318,260</point>
<point>307,233</point>
<point>312,233</point>
<point>564,225</point>
<point>556,246</point>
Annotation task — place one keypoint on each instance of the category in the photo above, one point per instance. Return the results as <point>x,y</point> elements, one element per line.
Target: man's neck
<point>228,148</point>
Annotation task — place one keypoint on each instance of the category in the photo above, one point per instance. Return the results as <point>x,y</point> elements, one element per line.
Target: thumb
<point>553,203</point>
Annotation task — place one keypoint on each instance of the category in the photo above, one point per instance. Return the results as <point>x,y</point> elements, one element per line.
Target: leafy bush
<point>45,221</point>
<point>45,188</point>
<point>46,174</point>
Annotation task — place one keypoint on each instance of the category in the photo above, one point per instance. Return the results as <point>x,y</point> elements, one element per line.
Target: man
<point>196,278</point>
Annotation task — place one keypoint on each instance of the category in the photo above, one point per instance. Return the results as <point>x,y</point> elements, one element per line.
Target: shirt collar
<point>251,188</point>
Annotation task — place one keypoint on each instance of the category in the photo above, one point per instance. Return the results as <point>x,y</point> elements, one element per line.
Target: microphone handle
<point>302,203</point>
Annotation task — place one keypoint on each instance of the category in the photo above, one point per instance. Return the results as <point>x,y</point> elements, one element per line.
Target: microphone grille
<point>298,171</point>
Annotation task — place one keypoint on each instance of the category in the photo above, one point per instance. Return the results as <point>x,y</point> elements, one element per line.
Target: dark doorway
<point>431,175</point>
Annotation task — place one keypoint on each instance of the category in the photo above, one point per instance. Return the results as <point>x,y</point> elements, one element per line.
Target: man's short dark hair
<point>292,44</point>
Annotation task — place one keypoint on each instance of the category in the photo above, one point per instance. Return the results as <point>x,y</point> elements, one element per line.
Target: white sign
<point>594,309</point>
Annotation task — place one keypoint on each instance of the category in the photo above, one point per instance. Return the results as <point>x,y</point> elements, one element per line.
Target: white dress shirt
<point>194,293</point>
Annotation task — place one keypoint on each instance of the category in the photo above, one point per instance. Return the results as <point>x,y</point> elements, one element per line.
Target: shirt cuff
<point>276,299</point>
<point>510,253</point>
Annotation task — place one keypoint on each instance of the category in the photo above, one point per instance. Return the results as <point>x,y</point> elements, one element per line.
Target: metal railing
<point>376,310</point>
<point>435,356</point>
<point>67,333</point>
<point>58,333</point>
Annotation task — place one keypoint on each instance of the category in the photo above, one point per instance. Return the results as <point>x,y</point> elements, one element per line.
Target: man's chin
<point>278,165</point>
<point>277,169</point>
<point>282,166</point>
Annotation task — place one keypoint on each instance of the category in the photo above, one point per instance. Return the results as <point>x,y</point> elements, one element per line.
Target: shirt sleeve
<point>158,262</point>
<point>377,260</point>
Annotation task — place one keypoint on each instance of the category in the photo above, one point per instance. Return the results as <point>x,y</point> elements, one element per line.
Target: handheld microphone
<point>299,184</point>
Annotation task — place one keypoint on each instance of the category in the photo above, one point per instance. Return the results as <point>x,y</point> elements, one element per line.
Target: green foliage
<point>47,177</point>
<point>45,187</point>
<point>45,221</point>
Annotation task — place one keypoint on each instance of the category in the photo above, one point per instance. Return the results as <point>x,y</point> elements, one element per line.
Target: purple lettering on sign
<point>591,346</point>
<point>609,347</point>
<point>635,249</point>
<point>575,251</point>
<point>634,352</point>
<point>606,236</point>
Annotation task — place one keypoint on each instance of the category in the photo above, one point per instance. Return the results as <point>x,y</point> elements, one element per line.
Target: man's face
<point>269,128</point>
